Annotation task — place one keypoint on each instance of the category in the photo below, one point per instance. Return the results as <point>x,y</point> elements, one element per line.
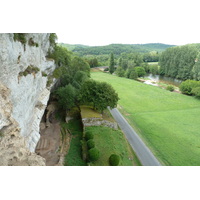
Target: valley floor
<point>167,122</point>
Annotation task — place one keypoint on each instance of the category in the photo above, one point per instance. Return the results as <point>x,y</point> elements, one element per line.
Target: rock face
<point>24,73</point>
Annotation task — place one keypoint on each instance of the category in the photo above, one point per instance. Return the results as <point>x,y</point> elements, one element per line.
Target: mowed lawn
<point>109,141</point>
<point>168,122</point>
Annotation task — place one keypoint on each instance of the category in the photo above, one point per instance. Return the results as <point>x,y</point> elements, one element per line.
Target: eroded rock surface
<point>13,150</point>
<point>24,93</point>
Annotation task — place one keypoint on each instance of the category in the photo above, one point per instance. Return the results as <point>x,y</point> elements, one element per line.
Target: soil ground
<point>49,143</point>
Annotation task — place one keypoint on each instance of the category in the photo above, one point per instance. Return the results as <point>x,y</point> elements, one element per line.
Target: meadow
<point>167,122</point>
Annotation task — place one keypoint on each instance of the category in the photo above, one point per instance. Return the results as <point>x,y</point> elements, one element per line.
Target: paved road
<point>145,156</point>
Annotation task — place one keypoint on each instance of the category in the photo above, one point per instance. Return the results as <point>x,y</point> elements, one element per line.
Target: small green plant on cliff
<point>49,81</point>
<point>44,74</point>
<point>29,70</point>
<point>32,43</point>
<point>1,134</point>
<point>52,39</point>
<point>20,37</point>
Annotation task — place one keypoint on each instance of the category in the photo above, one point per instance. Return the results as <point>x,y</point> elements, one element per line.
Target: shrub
<point>120,71</point>
<point>133,75</point>
<point>114,160</point>
<point>196,91</point>
<point>170,88</point>
<point>187,86</point>
<point>106,69</point>
<point>52,39</point>
<point>89,136</point>
<point>32,43</point>
<point>44,74</point>
<point>93,154</point>
<point>140,71</point>
<point>20,37</point>
<point>90,144</point>
<point>49,81</point>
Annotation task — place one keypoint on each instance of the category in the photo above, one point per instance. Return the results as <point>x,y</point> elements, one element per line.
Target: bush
<point>90,144</point>
<point>196,91</point>
<point>140,71</point>
<point>20,37</point>
<point>106,69</point>
<point>133,75</point>
<point>120,71</point>
<point>89,136</point>
<point>44,74</point>
<point>93,154</point>
<point>114,160</point>
<point>187,86</point>
<point>170,88</point>
<point>32,43</point>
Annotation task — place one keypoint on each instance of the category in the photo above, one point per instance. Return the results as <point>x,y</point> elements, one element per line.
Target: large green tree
<point>79,64</point>
<point>99,94</point>
<point>66,97</point>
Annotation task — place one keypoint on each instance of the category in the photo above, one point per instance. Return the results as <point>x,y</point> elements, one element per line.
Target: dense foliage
<point>117,49</point>
<point>66,97</point>
<point>99,94</point>
<point>20,37</point>
<point>189,87</point>
<point>52,39</point>
<point>101,54</point>
<point>178,62</point>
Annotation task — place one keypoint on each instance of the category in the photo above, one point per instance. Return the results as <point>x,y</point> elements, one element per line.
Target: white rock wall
<point>28,94</point>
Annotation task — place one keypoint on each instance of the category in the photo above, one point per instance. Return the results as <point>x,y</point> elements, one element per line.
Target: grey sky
<point>143,21</point>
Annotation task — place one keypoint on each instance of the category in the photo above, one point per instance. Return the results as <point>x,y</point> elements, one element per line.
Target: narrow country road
<point>143,153</point>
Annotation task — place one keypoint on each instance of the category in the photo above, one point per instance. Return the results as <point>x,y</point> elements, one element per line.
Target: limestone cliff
<point>24,93</point>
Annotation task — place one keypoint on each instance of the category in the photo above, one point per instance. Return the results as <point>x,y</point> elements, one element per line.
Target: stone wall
<point>99,122</point>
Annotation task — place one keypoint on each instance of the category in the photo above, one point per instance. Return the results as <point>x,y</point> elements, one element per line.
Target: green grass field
<point>168,122</point>
<point>109,141</point>
<point>74,156</point>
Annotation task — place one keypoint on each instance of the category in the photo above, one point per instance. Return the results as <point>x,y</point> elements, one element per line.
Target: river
<point>163,79</point>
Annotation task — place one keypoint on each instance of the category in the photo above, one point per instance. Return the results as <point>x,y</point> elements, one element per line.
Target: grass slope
<point>109,141</point>
<point>74,156</point>
<point>167,122</point>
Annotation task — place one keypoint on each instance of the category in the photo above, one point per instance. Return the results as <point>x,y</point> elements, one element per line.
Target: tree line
<point>180,62</point>
<point>149,52</point>
<point>131,66</point>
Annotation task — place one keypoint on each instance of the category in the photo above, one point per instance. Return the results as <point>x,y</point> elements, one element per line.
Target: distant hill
<point>117,49</point>
<point>71,47</point>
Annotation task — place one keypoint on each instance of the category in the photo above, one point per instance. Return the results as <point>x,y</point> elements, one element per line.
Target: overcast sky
<point>101,22</point>
<point>144,21</point>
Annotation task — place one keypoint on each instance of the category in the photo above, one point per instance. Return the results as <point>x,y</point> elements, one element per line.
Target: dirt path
<point>49,143</point>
